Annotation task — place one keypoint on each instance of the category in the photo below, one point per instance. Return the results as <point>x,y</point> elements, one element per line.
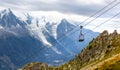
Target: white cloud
<point>80,7</point>
<point>47,1</point>
<point>1,8</point>
<point>55,16</point>
<point>101,2</point>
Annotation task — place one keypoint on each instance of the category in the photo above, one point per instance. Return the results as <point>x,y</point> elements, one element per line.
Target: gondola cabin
<point>81,36</point>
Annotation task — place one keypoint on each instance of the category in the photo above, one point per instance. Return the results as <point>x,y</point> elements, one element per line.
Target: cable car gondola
<point>81,36</point>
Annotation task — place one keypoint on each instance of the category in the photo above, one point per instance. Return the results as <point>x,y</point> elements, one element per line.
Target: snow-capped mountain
<point>33,39</point>
<point>8,19</point>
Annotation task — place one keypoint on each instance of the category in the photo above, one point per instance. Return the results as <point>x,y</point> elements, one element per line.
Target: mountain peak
<point>6,11</point>
<point>64,20</point>
<point>8,19</point>
<point>115,32</point>
<point>104,33</point>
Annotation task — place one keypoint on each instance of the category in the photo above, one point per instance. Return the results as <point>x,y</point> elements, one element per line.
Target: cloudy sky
<point>73,10</point>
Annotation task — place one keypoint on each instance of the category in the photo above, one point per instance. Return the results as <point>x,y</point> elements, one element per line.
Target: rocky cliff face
<point>104,47</point>
<point>36,66</point>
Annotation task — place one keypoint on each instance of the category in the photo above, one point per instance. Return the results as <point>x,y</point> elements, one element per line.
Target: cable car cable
<point>98,11</point>
<point>93,28</point>
<point>104,22</point>
<point>86,19</point>
<point>102,13</point>
<point>75,29</point>
<point>95,18</point>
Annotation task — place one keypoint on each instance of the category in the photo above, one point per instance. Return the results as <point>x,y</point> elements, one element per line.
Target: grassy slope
<point>112,63</point>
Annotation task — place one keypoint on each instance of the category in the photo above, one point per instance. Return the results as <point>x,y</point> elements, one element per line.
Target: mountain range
<point>33,40</point>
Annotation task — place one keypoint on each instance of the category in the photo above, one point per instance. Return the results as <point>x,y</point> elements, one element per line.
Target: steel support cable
<point>89,18</point>
<point>97,12</point>
<point>73,32</point>
<point>99,24</point>
<point>102,13</point>
<point>91,21</point>
<point>103,23</point>
<point>76,29</point>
